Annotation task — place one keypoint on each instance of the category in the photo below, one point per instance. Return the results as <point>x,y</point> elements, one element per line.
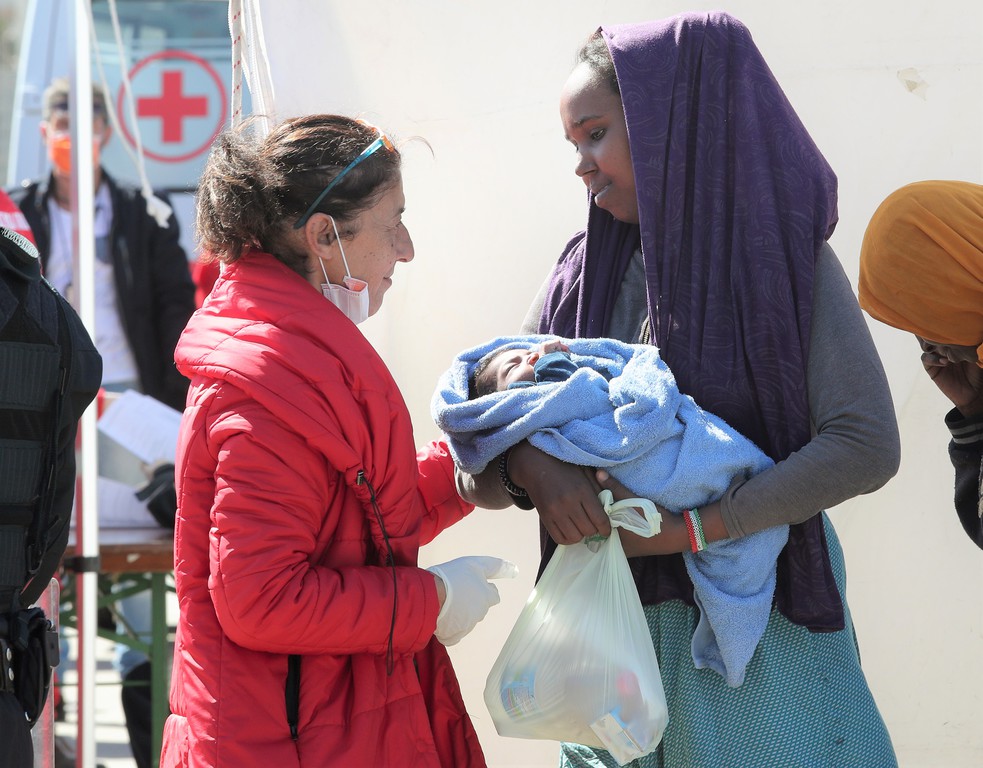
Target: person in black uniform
<point>51,372</point>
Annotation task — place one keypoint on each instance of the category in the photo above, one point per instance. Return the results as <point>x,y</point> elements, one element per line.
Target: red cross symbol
<point>189,122</point>
<point>172,106</point>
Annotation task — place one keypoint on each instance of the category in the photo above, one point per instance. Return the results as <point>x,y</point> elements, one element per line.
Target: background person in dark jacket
<point>144,290</point>
<point>144,298</point>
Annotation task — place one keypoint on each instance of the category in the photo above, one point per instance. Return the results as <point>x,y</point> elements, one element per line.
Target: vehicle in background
<point>178,57</point>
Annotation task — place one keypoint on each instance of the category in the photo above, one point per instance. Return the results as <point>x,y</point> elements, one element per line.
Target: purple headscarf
<point>734,203</point>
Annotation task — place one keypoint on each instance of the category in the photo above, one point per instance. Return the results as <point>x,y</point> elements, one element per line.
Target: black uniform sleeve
<point>966,455</point>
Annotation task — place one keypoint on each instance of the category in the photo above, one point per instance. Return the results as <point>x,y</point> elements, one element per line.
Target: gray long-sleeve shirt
<point>855,447</point>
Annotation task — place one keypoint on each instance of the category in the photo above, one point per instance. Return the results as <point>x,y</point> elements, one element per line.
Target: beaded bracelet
<point>694,527</point>
<point>503,474</point>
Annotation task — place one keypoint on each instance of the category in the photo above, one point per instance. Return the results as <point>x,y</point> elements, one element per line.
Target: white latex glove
<point>469,593</point>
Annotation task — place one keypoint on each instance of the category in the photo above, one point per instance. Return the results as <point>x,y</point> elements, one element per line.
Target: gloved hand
<point>469,594</point>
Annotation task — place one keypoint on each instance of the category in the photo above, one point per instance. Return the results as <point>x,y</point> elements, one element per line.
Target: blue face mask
<point>352,298</point>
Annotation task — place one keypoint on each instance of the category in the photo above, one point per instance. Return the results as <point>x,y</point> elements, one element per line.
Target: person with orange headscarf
<point>921,270</point>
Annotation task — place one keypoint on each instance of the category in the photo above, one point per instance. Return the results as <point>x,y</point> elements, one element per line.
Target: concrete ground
<point>112,741</point>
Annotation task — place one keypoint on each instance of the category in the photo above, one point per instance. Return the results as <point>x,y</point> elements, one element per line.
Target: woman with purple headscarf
<point>709,210</point>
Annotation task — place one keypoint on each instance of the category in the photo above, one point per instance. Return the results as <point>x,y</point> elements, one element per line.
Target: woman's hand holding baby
<point>565,495</point>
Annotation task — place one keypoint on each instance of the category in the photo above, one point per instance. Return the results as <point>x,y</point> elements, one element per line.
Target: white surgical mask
<point>352,298</point>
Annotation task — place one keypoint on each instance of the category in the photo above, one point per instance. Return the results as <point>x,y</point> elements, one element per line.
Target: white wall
<point>491,208</point>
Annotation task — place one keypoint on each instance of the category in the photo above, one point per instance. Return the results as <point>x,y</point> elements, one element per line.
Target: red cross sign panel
<point>180,105</point>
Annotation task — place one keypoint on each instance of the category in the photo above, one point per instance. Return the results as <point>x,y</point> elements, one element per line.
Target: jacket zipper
<point>361,479</point>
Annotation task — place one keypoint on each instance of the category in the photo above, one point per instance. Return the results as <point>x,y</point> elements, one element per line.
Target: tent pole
<point>83,242</point>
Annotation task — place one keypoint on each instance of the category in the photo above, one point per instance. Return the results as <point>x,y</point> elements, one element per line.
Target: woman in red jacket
<point>308,635</point>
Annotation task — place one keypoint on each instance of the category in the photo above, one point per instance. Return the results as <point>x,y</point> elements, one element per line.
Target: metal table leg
<point>159,663</point>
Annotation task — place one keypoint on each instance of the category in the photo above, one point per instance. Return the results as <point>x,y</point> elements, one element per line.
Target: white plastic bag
<point>579,665</point>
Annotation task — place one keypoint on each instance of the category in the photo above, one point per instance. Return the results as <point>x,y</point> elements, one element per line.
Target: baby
<point>604,403</point>
<point>509,367</point>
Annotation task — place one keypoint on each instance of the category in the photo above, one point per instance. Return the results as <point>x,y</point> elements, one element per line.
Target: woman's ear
<point>319,235</point>
<point>316,240</point>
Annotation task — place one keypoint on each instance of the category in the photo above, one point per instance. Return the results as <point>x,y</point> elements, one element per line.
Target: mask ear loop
<point>324,272</point>
<point>340,248</point>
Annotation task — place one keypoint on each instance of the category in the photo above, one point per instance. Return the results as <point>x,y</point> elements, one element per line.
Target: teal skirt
<point>803,704</point>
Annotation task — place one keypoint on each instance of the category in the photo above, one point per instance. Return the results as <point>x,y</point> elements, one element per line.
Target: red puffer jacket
<point>297,477</point>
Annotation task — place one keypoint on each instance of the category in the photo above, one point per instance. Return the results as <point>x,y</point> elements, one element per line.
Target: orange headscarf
<point>921,262</point>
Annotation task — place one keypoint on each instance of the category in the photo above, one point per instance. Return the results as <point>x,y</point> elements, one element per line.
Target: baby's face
<point>511,366</point>
<point>515,365</point>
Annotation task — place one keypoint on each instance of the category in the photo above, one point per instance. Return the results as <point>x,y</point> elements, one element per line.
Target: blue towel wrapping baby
<point>621,410</point>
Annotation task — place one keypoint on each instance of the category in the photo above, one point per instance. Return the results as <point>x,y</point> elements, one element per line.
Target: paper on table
<point>120,508</point>
<point>144,426</point>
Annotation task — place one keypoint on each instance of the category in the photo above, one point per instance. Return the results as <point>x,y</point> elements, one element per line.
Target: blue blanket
<point>621,410</point>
